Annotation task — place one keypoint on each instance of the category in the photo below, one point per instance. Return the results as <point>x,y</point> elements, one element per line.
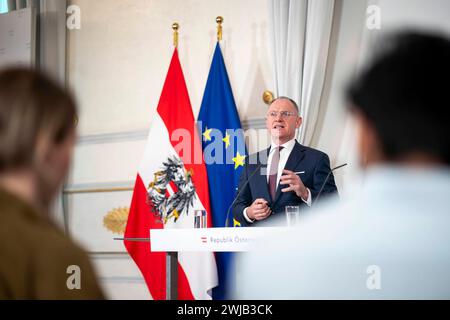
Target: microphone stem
<point>326,180</point>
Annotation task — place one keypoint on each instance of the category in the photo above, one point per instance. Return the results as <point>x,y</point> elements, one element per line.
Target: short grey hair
<point>289,99</point>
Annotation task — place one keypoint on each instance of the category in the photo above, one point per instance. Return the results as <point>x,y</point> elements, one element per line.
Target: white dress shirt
<point>284,155</point>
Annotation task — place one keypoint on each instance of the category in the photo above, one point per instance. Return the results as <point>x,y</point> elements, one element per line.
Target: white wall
<point>418,14</point>
<point>119,58</point>
<point>334,134</point>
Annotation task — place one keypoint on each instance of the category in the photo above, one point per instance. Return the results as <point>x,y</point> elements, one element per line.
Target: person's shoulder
<point>54,247</point>
<point>57,257</point>
<point>55,243</point>
<point>29,232</point>
<point>37,258</point>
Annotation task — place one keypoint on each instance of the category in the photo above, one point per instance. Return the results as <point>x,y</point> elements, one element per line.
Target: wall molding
<point>257,123</point>
<point>110,255</point>
<point>120,279</point>
<point>113,137</point>
<point>139,135</point>
<point>99,186</point>
<point>116,278</point>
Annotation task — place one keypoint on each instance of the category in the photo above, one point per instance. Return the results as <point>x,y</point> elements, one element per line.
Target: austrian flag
<point>170,185</point>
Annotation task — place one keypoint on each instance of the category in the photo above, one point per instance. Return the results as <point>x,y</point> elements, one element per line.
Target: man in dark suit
<point>285,174</point>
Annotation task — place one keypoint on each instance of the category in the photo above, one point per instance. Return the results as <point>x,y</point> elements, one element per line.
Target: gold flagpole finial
<point>219,21</point>
<point>175,27</point>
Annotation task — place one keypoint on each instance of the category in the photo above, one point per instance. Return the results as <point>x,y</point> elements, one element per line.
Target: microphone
<point>325,182</point>
<point>240,191</point>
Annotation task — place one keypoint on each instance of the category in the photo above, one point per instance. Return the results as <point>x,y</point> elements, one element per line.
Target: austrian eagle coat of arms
<point>172,191</point>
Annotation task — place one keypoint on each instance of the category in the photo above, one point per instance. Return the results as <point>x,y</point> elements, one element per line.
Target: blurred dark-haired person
<point>37,136</point>
<point>391,240</point>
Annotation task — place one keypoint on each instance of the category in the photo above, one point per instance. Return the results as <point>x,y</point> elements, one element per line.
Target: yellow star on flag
<point>226,140</point>
<point>238,160</point>
<point>206,134</point>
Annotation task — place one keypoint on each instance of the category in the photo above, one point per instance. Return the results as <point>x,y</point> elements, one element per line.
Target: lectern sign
<point>208,239</point>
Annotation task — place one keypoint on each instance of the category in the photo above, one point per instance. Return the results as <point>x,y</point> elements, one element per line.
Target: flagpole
<point>175,27</point>
<point>172,257</point>
<point>219,21</point>
<point>133,239</point>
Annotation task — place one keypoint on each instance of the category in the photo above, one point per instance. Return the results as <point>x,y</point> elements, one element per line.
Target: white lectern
<point>173,241</point>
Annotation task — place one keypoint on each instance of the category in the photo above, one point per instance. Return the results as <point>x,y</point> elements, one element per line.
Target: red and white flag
<point>171,183</point>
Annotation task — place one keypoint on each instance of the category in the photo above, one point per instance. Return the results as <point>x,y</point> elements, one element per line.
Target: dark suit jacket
<point>316,165</point>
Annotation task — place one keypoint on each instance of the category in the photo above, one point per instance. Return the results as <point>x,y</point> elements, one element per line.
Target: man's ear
<point>298,122</point>
<point>368,142</point>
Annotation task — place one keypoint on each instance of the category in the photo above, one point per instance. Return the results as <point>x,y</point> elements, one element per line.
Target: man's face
<point>282,120</point>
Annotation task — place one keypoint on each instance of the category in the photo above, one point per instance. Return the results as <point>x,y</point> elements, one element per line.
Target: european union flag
<point>224,153</point>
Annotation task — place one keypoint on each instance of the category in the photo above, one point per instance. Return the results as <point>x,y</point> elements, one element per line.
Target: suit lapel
<point>297,155</point>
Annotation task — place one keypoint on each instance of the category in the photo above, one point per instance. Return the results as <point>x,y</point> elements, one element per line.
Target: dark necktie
<point>274,172</point>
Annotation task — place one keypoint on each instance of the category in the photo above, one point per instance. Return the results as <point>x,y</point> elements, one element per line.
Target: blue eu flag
<point>224,153</point>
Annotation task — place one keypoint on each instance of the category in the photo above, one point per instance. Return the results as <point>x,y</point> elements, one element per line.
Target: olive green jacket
<point>35,257</point>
